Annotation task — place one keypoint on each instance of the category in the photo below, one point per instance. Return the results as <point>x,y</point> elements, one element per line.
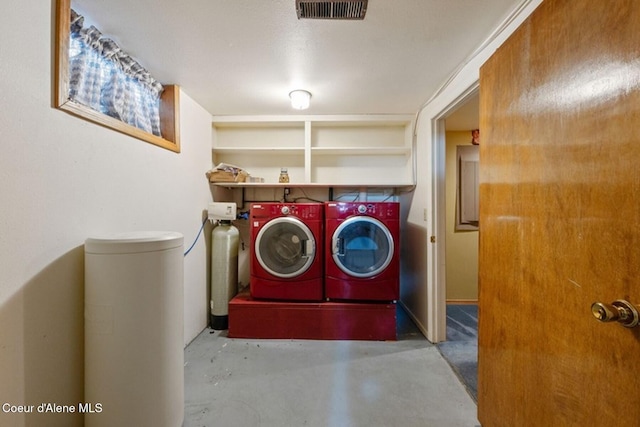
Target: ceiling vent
<point>315,9</point>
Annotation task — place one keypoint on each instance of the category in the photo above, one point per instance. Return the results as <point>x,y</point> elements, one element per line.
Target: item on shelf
<point>254,179</point>
<point>284,175</point>
<point>225,172</point>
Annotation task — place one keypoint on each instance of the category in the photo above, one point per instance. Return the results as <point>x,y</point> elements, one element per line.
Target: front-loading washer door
<point>362,246</point>
<point>285,247</point>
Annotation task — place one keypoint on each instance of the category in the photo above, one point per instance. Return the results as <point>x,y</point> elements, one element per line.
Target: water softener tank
<point>224,272</point>
<point>134,322</point>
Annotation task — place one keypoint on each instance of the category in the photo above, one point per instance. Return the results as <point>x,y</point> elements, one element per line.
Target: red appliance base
<point>301,290</point>
<point>362,289</point>
<point>250,318</point>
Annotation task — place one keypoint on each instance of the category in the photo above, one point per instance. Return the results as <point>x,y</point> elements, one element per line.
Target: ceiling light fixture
<point>300,99</point>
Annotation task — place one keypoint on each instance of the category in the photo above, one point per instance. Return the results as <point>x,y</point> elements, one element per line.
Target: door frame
<point>437,301</point>
<point>428,306</point>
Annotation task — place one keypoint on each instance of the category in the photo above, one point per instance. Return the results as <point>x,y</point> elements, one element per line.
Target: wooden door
<point>560,218</point>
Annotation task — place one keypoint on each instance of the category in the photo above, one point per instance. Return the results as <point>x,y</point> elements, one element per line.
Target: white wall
<point>61,180</point>
<point>421,293</point>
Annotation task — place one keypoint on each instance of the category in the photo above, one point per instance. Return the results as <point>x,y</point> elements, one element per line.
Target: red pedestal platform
<point>251,318</point>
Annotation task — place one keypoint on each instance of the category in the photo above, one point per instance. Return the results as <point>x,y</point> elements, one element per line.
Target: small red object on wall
<point>475,137</point>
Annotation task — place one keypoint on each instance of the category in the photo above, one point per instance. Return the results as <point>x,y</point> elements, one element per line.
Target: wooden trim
<point>63,28</point>
<point>169,99</point>
<point>97,117</point>
<point>170,115</point>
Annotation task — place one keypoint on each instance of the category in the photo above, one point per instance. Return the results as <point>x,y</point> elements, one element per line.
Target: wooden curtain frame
<point>169,99</point>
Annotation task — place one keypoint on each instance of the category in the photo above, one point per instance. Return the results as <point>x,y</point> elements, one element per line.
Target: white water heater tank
<point>134,359</point>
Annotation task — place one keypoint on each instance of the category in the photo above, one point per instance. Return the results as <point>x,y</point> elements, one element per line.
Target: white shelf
<point>323,151</point>
<point>324,120</point>
<point>360,151</point>
<point>309,185</point>
<point>258,150</point>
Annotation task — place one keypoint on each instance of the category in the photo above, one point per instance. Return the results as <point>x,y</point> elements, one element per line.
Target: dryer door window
<point>285,247</point>
<point>362,246</point>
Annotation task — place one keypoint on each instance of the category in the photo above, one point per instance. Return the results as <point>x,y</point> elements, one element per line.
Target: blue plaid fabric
<point>106,79</point>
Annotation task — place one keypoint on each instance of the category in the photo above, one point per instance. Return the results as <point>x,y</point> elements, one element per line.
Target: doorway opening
<point>457,273</point>
<point>461,197</point>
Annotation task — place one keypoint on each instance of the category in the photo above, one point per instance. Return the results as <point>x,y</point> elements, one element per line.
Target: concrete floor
<point>246,383</point>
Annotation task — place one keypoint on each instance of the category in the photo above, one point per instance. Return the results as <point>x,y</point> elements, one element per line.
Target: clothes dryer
<point>287,251</point>
<point>362,259</point>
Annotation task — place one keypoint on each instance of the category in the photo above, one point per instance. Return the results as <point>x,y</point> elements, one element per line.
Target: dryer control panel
<point>380,210</point>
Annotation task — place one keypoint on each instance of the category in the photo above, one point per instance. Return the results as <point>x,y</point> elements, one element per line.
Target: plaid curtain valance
<point>106,79</point>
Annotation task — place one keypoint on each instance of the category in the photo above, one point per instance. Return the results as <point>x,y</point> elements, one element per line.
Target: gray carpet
<point>461,348</point>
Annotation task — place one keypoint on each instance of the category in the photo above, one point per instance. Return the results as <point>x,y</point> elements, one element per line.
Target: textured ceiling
<point>245,56</point>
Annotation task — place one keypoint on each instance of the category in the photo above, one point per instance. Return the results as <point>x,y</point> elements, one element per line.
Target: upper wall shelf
<point>372,151</point>
<point>259,150</point>
<point>334,151</point>
<point>389,184</point>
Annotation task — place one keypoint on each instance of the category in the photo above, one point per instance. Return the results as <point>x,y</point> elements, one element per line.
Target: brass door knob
<point>620,311</point>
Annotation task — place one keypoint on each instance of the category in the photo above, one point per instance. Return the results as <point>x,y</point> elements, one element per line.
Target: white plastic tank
<point>224,272</point>
<point>134,359</point>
